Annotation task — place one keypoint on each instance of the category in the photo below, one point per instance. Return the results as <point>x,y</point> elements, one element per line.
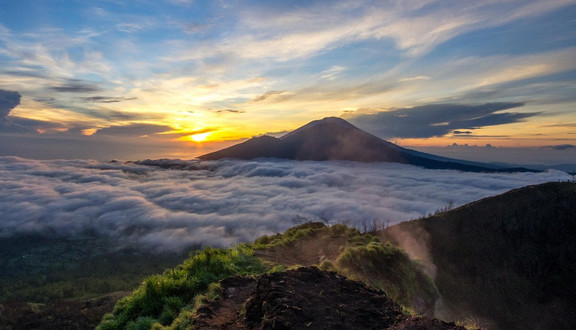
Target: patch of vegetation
<point>289,237</point>
<point>162,298</point>
<point>388,268</point>
<point>357,255</point>
<point>36,269</point>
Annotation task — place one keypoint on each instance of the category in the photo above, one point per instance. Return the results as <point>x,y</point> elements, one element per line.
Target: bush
<point>389,268</point>
<point>162,298</point>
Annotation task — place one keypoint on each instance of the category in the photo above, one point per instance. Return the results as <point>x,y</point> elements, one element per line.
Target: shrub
<point>389,268</point>
<point>162,298</point>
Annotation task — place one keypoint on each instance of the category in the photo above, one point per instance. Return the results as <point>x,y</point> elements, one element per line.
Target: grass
<point>384,266</point>
<point>362,257</point>
<point>161,299</point>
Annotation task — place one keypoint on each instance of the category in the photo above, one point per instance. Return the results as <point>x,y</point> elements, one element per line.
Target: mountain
<point>507,261</point>
<point>334,138</point>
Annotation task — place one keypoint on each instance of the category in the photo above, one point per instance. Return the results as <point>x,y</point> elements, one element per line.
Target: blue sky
<point>125,79</point>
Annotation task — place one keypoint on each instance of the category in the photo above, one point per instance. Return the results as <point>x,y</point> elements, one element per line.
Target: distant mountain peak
<point>333,138</point>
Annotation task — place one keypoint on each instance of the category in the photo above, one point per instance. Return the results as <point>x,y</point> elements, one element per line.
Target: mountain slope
<point>508,261</point>
<point>252,286</point>
<point>336,139</point>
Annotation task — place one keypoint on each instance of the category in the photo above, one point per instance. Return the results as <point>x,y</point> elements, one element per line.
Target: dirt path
<point>306,298</point>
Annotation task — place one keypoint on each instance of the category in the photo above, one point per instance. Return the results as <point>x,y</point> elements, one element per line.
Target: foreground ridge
<point>305,298</point>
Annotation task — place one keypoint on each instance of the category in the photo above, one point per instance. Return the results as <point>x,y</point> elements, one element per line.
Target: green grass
<point>388,268</point>
<point>162,298</point>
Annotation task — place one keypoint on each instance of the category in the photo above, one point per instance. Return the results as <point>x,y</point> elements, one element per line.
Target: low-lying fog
<point>220,203</point>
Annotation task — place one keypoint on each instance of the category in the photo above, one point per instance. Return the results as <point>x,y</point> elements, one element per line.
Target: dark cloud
<point>230,111</point>
<point>8,101</point>
<point>37,125</point>
<point>565,125</point>
<point>267,95</point>
<point>462,132</point>
<point>133,130</point>
<point>466,145</point>
<point>28,73</point>
<point>437,119</point>
<point>223,202</point>
<point>109,114</point>
<point>75,86</point>
<point>108,99</point>
<point>562,147</point>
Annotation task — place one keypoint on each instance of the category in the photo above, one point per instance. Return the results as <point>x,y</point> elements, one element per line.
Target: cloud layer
<point>171,205</point>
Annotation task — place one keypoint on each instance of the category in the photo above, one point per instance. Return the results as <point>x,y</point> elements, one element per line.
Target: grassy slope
<point>171,298</point>
<point>508,260</point>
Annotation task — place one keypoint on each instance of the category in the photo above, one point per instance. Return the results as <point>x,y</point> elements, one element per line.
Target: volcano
<point>334,138</point>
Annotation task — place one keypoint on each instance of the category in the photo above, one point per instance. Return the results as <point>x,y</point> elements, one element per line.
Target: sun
<point>199,137</point>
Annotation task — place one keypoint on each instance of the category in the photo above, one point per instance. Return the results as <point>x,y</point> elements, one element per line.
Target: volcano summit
<point>334,138</point>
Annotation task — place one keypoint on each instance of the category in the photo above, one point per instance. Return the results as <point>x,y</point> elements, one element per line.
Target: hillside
<point>334,138</point>
<point>243,288</point>
<point>506,261</point>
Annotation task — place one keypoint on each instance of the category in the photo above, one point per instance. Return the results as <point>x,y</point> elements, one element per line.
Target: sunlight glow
<point>199,137</point>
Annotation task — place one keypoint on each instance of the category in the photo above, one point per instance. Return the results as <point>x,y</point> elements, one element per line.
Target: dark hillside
<point>508,260</point>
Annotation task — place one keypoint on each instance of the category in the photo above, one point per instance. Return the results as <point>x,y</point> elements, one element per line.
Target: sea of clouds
<point>169,205</point>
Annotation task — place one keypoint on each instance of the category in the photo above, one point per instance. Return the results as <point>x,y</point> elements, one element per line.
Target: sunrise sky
<point>175,78</point>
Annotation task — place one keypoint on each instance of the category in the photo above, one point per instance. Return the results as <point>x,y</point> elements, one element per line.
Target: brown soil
<point>59,315</point>
<point>305,298</point>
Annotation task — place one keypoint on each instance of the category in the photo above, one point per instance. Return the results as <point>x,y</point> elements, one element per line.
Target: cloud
<point>562,147</point>
<point>108,99</point>
<point>8,101</point>
<point>230,111</point>
<point>174,204</point>
<point>75,87</point>
<point>133,130</point>
<point>414,78</point>
<point>437,119</point>
<point>461,132</point>
<point>333,73</point>
<point>27,125</point>
<point>286,33</point>
<point>267,95</point>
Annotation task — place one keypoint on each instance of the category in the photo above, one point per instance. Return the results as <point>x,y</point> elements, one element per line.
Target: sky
<point>138,79</point>
<point>171,205</point>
